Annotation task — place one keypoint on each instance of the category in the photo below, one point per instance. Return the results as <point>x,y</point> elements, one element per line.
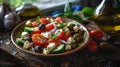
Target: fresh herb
<point>61,25</point>
<point>68,9</point>
<point>37,19</point>
<point>69,14</point>
<point>54,36</point>
<point>88,11</point>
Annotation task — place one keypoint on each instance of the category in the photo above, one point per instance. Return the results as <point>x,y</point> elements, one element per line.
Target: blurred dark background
<point>91,3</point>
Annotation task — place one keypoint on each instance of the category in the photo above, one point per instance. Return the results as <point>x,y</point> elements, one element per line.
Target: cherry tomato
<point>67,35</point>
<point>49,27</point>
<point>92,47</point>
<point>34,24</point>
<point>61,35</point>
<point>39,40</point>
<point>36,32</point>
<point>96,34</point>
<point>58,19</point>
<point>56,41</point>
<point>44,21</point>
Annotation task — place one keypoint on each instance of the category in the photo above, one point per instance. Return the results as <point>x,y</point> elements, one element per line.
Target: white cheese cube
<point>49,48</point>
<point>46,34</point>
<point>24,34</point>
<point>28,23</point>
<point>70,40</point>
<point>68,47</point>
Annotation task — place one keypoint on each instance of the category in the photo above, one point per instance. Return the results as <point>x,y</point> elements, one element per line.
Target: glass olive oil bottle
<point>107,16</point>
<point>28,11</point>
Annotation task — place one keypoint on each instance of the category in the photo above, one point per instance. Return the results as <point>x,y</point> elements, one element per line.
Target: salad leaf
<point>54,36</point>
<point>37,19</point>
<point>88,11</point>
<point>69,14</point>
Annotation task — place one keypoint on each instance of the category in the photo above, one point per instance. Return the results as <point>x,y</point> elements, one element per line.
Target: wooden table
<point>11,57</point>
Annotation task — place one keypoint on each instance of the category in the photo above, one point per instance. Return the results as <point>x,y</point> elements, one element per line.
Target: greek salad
<point>50,35</point>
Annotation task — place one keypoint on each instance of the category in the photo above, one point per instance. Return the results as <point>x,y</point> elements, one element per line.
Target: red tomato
<point>39,40</point>
<point>34,24</point>
<point>61,35</point>
<point>58,19</point>
<point>96,34</point>
<point>44,21</point>
<point>92,47</point>
<point>67,35</point>
<point>56,41</point>
<point>36,32</point>
<point>49,27</point>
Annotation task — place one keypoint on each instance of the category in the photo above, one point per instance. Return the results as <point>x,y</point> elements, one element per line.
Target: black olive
<point>28,39</point>
<point>111,39</point>
<point>72,33</point>
<point>70,26</point>
<point>38,49</point>
<point>42,26</point>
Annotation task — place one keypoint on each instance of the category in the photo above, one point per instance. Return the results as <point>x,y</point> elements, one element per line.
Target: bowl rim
<point>84,44</point>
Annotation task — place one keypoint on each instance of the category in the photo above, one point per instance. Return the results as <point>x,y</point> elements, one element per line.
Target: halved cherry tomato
<point>39,40</point>
<point>96,34</point>
<point>56,41</point>
<point>34,24</point>
<point>49,27</point>
<point>67,35</point>
<point>61,35</point>
<point>58,19</point>
<point>44,21</point>
<point>92,47</point>
<point>36,32</point>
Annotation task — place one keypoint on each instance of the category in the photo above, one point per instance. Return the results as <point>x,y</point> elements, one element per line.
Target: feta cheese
<point>49,48</point>
<point>46,34</point>
<point>24,34</point>
<point>27,45</point>
<point>68,47</point>
<point>28,23</point>
<point>70,40</point>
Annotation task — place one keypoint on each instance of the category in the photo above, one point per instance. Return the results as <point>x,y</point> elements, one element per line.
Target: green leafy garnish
<point>37,19</point>
<point>88,11</point>
<point>54,36</point>
<point>69,13</point>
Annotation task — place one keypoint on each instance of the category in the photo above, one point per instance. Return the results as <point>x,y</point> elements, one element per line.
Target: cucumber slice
<point>28,29</point>
<point>19,41</point>
<point>59,49</point>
